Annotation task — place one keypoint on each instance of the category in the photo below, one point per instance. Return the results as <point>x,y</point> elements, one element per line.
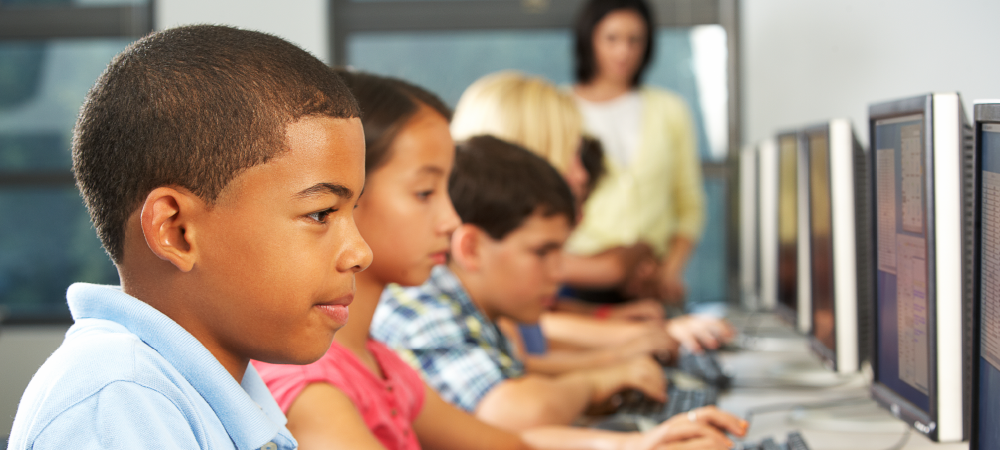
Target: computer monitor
<point>767,176</point>
<point>921,157</point>
<point>749,258</point>
<point>838,223</point>
<point>793,248</point>
<point>985,434</point>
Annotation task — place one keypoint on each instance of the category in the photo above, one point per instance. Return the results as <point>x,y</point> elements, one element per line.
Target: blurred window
<point>445,45</point>
<point>51,52</point>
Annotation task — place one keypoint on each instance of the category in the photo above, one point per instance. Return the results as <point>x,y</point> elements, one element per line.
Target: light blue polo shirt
<point>129,377</point>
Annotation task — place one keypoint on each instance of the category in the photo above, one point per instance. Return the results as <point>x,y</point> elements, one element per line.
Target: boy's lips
<point>439,257</point>
<point>337,309</point>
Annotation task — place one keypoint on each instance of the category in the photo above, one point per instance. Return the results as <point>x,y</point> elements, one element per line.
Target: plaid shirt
<point>440,332</point>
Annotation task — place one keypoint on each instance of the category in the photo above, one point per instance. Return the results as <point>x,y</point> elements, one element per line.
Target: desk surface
<point>838,428</point>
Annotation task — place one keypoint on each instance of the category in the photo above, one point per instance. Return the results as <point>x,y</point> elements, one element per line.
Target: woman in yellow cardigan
<point>651,196</point>
<point>652,192</point>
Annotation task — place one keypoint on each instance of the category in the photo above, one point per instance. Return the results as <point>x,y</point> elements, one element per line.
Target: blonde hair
<point>528,111</point>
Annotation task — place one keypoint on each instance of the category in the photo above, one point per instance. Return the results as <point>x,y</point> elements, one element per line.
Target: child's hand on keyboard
<point>655,342</point>
<point>680,435</point>
<point>642,373</point>
<point>698,332</point>
<point>712,416</point>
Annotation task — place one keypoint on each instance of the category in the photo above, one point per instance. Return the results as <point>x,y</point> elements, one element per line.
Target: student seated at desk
<point>220,168</point>
<point>516,212</point>
<point>360,394</point>
<point>531,112</point>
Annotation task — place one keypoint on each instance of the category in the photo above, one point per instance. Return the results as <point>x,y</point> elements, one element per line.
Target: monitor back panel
<point>749,216</point>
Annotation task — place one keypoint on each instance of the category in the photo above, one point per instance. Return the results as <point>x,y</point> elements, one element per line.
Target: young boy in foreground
<point>221,168</point>
<point>516,211</point>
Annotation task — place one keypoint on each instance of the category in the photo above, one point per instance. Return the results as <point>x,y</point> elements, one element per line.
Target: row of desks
<point>779,371</point>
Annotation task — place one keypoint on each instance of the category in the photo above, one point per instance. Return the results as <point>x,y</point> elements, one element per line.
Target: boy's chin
<point>303,355</point>
<point>415,278</point>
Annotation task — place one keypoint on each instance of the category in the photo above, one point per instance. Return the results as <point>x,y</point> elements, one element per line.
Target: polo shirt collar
<point>247,410</point>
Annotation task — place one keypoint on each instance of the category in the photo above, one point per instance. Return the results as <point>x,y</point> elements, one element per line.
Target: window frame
<point>45,23</point>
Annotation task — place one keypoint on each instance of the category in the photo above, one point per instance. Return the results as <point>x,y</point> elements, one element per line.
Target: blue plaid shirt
<point>440,332</point>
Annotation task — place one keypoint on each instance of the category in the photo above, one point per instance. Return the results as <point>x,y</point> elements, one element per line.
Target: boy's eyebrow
<point>432,169</point>
<point>326,188</point>
<point>551,246</point>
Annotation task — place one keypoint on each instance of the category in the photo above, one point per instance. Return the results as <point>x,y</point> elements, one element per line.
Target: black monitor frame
<point>983,113</point>
<point>935,424</point>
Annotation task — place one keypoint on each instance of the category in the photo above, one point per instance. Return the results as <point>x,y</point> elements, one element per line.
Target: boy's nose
<point>357,255</point>
<point>449,219</point>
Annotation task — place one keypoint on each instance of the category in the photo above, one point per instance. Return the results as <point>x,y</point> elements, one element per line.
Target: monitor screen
<point>989,289</point>
<point>787,221</point>
<point>821,240</point>
<point>902,339</point>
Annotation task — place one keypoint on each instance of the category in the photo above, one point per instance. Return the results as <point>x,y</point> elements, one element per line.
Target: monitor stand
<point>863,417</point>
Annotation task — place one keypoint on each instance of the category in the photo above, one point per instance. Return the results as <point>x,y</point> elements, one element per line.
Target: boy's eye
<point>424,194</point>
<point>320,216</point>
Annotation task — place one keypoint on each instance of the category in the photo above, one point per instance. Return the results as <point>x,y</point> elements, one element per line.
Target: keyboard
<point>705,366</point>
<point>794,441</point>
<point>638,412</point>
<point>678,400</point>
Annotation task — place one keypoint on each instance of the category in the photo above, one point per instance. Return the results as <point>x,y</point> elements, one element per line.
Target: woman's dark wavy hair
<point>386,105</point>
<point>592,14</point>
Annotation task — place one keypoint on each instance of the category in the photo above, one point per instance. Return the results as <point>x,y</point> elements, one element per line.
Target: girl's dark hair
<point>592,14</point>
<point>386,105</point>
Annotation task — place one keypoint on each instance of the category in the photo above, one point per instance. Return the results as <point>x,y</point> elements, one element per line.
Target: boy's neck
<point>167,295</point>
<point>475,290</point>
<point>354,335</point>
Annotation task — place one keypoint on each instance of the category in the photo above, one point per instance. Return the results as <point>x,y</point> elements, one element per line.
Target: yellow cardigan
<point>659,195</point>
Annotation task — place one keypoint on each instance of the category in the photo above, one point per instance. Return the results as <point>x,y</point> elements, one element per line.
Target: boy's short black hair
<point>583,43</point>
<point>386,105</point>
<point>497,185</point>
<point>192,107</point>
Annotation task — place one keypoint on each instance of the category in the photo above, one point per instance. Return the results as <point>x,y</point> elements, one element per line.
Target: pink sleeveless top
<point>388,406</point>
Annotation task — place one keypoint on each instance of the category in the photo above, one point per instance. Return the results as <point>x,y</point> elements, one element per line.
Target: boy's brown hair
<point>496,185</point>
<point>192,107</point>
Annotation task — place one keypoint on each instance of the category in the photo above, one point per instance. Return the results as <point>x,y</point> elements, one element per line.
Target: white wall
<point>23,349</point>
<point>303,22</point>
<point>806,61</point>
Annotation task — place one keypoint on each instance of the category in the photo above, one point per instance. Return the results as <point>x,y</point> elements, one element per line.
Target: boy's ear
<point>166,224</point>
<point>465,246</point>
